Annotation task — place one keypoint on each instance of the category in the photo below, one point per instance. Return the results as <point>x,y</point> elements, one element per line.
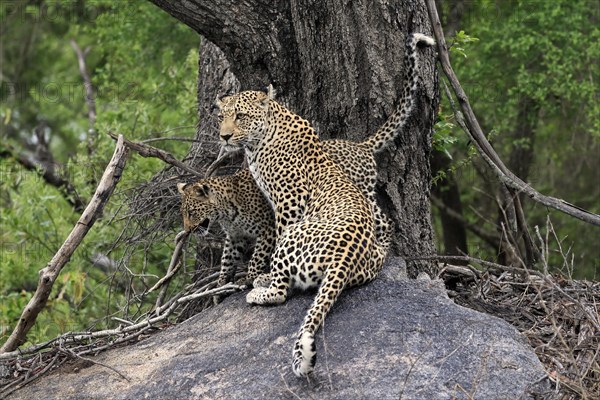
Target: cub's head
<point>242,118</point>
<point>200,204</point>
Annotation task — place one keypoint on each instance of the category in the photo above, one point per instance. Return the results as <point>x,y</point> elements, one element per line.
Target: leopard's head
<point>242,119</point>
<point>200,204</point>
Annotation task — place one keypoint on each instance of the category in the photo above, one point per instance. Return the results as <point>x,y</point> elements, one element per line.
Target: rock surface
<point>393,338</point>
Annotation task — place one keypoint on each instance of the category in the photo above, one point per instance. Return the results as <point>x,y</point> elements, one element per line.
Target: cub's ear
<point>181,187</point>
<point>218,102</point>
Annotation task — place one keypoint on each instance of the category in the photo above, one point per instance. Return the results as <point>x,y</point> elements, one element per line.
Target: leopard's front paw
<point>263,296</point>
<point>257,295</point>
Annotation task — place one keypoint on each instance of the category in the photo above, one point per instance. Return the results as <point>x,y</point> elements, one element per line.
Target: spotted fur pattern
<point>393,126</point>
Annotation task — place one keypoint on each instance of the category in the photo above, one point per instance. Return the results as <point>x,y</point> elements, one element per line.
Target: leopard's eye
<point>240,116</point>
<point>220,117</point>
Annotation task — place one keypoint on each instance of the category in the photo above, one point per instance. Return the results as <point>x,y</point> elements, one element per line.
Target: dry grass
<point>558,316</point>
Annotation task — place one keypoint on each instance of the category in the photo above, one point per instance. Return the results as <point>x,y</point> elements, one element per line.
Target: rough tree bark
<point>338,64</point>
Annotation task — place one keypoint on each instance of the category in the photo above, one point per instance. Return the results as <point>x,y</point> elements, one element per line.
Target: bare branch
<point>475,260</point>
<point>91,360</point>
<point>48,274</point>
<point>145,150</point>
<point>483,146</point>
<point>221,158</point>
<point>180,241</point>
<point>134,330</point>
<point>8,389</point>
<point>177,139</point>
<point>512,210</point>
<point>492,238</point>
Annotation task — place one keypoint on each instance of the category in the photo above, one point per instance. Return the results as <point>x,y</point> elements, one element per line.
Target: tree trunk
<point>520,161</point>
<point>523,137</point>
<point>446,190</point>
<point>339,65</point>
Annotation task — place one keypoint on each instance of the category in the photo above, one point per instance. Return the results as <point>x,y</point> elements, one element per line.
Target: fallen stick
<point>131,330</point>
<point>48,274</point>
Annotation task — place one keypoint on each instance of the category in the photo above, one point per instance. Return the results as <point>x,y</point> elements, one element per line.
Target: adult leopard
<point>237,204</point>
<point>245,216</point>
<point>325,225</point>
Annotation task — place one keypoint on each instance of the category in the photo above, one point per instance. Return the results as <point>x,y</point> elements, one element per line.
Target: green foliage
<point>459,41</point>
<point>547,51</point>
<point>536,64</point>
<point>443,136</point>
<point>149,71</point>
<point>143,66</point>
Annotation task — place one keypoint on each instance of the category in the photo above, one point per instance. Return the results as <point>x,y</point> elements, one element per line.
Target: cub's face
<point>199,205</point>
<point>242,118</point>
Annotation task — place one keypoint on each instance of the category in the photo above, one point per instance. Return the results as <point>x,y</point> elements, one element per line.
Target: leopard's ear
<point>181,187</point>
<point>271,93</point>
<point>218,102</point>
<point>263,100</point>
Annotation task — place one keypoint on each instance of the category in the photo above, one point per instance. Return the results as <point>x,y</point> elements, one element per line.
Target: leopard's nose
<point>226,137</point>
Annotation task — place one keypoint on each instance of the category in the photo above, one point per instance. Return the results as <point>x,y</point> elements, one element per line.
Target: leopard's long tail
<point>305,351</point>
<point>394,124</point>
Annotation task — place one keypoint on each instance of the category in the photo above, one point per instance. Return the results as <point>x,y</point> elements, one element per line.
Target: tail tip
<point>304,355</point>
<point>422,39</point>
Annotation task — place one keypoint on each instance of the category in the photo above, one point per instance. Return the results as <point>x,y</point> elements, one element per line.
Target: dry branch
<point>489,264</point>
<point>512,211</point>
<point>145,150</point>
<point>179,243</point>
<point>221,159</point>
<point>133,330</point>
<point>492,238</point>
<point>28,364</point>
<point>559,318</point>
<point>48,274</point>
<point>483,146</point>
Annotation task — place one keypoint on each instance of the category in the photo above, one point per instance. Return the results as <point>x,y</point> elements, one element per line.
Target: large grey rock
<point>393,338</point>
